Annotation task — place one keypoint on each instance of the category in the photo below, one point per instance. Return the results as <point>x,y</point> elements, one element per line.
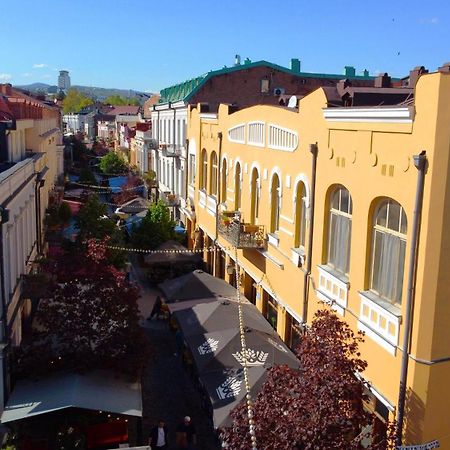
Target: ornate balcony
<point>239,234</point>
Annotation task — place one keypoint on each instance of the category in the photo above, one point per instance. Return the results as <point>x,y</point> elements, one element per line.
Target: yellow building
<point>322,202</point>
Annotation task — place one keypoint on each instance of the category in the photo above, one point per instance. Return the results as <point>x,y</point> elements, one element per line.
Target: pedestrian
<point>158,436</point>
<point>186,435</point>
<point>156,308</point>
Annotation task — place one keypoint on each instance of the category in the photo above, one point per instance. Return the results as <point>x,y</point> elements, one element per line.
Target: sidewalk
<point>168,392</point>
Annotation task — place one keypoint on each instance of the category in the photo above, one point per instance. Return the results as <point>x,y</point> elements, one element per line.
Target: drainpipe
<point>314,151</point>
<point>219,190</point>
<point>420,162</point>
<point>174,160</point>
<point>37,204</point>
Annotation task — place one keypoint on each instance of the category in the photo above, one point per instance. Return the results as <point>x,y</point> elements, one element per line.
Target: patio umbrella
<point>197,284</point>
<point>226,389</point>
<point>219,315</point>
<point>222,350</point>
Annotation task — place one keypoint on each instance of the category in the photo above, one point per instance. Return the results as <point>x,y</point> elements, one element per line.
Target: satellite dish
<point>292,102</point>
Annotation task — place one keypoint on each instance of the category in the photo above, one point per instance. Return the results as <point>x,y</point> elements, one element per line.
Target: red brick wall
<point>243,87</point>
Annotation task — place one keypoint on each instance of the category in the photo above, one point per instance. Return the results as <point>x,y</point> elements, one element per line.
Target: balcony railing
<point>239,234</point>
<point>170,199</point>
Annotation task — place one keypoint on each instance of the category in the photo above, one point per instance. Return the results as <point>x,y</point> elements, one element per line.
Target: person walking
<point>186,435</point>
<point>158,436</point>
<point>156,308</point>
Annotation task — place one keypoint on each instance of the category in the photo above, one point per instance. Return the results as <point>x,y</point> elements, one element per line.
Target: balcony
<point>170,199</point>
<point>172,150</point>
<point>239,234</point>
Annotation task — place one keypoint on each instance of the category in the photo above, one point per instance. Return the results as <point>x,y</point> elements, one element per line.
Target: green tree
<point>155,228</point>
<point>92,219</point>
<point>113,163</point>
<point>60,95</point>
<point>117,100</point>
<point>87,177</point>
<point>64,212</point>
<point>75,101</point>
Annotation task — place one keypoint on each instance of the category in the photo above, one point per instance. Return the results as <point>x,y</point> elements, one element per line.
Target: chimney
<point>415,74</point>
<point>295,65</point>
<point>237,60</point>
<point>365,73</point>
<point>350,71</point>
<point>6,89</point>
<point>445,68</point>
<point>247,61</point>
<point>383,81</point>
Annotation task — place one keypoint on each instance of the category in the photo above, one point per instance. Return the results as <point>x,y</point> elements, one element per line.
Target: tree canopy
<point>117,100</point>
<point>319,406</point>
<point>113,163</point>
<point>155,228</point>
<point>129,189</point>
<point>75,101</point>
<point>88,319</point>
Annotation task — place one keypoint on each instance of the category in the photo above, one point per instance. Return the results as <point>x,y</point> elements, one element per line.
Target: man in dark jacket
<point>158,436</point>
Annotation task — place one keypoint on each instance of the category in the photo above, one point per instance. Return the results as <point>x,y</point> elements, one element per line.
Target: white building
<point>64,80</point>
<point>169,122</point>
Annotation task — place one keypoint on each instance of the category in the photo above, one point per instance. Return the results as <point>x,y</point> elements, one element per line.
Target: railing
<point>170,199</point>
<point>173,150</point>
<point>239,234</point>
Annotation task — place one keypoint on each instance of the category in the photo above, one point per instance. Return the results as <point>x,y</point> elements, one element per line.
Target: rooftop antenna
<point>237,60</point>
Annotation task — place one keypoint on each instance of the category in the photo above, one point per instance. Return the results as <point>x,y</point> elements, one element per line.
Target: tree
<point>64,213</point>
<point>60,95</point>
<point>319,406</point>
<point>75,101</point>
<point>129,190</point>
<point>118,100</point>
<point>93,222</point>
<point>113,163</point>
<point>88,320</point>
<point>155,228</point>
<point>87,177</point>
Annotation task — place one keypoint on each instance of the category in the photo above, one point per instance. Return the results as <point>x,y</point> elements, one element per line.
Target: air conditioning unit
<point>279,91</point>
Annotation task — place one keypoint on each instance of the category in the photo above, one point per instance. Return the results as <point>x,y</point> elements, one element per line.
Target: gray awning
<point>96,391</point>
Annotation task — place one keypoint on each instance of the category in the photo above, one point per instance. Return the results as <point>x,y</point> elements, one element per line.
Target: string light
<point>142,250</point>
<point>113,190</point>
<point>248,396</point>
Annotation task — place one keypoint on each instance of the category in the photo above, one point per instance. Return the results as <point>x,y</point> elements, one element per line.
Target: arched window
<point>223,181</point>
<point>255,188</point>
<point>237,186</point>
<point>340,230</point>
<point>300,216</point>
<point>204,170</point>
<point>275,203</point>
<point>213,188</point>
<point>388,251</point>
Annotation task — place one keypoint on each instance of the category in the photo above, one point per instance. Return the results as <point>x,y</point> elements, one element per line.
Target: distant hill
<point>96,93</point>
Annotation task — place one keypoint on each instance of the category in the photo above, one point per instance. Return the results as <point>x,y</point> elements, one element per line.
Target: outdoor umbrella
<point>222,350</point>
<point>226,389</point>
<point>219,315</point>
<point>197,284</point>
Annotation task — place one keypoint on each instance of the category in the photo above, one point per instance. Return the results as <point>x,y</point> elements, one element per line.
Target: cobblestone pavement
<point>168,391</point>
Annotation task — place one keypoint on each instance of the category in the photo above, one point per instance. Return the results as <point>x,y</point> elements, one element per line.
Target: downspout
<point>219,191</point>
<point>174,138</point>
<point>37,204</point>
<point>420,162</point>
<point>314,151</point>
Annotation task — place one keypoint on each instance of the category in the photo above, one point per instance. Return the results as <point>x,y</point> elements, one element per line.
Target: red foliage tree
<point>88,319</point>
<point>128,190</point>
<point>317,407</point>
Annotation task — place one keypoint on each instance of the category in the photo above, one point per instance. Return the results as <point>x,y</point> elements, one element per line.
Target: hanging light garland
<point>248,396</point>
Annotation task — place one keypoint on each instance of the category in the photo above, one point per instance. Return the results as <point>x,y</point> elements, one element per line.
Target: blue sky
<point>149,44</point>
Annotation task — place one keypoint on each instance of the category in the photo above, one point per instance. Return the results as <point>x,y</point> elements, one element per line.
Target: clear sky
<point>149,45</point>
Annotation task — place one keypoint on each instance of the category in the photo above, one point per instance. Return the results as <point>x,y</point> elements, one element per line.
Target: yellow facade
<point>368,154</point>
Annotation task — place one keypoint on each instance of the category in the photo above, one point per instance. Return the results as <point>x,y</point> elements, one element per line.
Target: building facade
<point>242,85</point>
<point>320,207</point>
<point>31,161</point>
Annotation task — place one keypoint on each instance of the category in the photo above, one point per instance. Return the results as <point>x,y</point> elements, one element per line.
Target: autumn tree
<point>75,101</point>
<point>118,100</point>
<point>129,190</point>
<point>89,319</point>
<point>319,406</point>
<point>155,228</point>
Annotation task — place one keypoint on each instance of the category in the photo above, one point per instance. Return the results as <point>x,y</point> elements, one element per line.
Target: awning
<point>95,391</point>
<point>197,284</point>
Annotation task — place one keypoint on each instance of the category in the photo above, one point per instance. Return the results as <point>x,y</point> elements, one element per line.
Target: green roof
<point>184,91</point>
